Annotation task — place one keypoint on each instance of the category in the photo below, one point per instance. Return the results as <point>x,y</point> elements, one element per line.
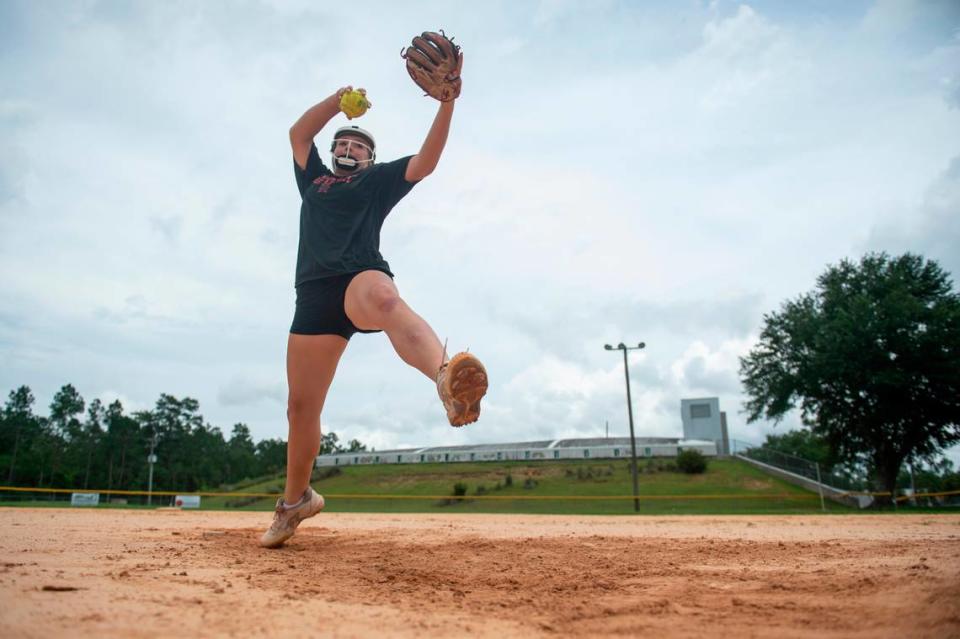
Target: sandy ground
<point>110,573</point>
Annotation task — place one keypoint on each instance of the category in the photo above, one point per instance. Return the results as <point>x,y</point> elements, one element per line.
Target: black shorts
<point>320,308</point>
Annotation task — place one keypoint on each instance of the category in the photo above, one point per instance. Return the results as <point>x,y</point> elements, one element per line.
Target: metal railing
<point>813,471</point>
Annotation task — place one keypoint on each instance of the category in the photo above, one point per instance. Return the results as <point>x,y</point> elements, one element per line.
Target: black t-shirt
<point>341,217</point>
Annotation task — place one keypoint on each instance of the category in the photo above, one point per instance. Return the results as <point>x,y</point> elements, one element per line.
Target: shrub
<point>529,483</point>
<point>459,489</point>
<point>691,462</point>
<point>320,474</point>
<point>508,480</point>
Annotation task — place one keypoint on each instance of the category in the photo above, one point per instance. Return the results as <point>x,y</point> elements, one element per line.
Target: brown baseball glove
<point>434,62</point>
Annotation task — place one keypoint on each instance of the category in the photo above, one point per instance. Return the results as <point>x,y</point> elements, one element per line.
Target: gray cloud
<point>241,391</point>
<point>915,24</point>
<point>564,325</point>
<point>933,230</point>
<point>953,92</point>
<point>15,117</point>
<point>168,227</point>
<point>700,379</point>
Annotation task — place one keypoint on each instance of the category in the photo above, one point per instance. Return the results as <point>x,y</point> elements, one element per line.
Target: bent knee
<point>383,298</point>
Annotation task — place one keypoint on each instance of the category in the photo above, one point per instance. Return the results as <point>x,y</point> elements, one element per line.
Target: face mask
<point>347,163</point>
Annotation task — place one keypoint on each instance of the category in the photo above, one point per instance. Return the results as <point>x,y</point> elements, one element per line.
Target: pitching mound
<point>110,573</point>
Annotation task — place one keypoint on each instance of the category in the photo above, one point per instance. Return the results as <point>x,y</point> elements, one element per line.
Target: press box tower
<point>702,419</point>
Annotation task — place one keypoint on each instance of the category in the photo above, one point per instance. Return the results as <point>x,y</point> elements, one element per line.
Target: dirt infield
<point>111,573</point>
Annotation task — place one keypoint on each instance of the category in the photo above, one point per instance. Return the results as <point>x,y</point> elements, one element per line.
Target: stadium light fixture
<point>633,439</point>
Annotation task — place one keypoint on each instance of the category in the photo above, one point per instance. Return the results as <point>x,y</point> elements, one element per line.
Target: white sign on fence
<point>187,501</point>
<point>85,499</point>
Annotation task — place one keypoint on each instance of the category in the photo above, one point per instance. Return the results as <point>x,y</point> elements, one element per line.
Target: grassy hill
<point>559,487</point>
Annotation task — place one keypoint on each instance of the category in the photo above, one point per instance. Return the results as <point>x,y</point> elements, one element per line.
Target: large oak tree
<point>871,357</point>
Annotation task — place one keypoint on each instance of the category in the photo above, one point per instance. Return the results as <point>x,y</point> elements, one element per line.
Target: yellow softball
<point>354,104</point>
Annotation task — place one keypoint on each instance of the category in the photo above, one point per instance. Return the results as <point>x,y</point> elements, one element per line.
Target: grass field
<point>728,486</point>
<point>601,487</point>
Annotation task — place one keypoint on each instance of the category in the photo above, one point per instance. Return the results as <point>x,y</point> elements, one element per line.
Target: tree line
<point>81,445</point>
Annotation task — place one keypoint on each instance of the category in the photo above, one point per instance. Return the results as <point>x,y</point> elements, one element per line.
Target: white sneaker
<point>286,520</point>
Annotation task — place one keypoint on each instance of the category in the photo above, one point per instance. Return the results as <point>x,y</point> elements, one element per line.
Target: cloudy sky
<point>616,171</point>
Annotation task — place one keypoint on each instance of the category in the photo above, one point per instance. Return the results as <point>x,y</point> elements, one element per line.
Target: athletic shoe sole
<point>466,378</point>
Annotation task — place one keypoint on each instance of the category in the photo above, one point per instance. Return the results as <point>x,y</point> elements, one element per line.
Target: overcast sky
<point>616,171</point>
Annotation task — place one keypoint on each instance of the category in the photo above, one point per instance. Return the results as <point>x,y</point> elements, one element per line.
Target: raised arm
<point>311,123</point>
<point>423,163</point>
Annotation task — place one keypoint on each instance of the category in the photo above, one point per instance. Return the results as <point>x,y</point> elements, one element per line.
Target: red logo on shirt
<point>324,182</point>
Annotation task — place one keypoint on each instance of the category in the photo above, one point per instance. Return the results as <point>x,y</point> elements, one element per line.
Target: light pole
<point>633,440</point>
<point>151,459</point>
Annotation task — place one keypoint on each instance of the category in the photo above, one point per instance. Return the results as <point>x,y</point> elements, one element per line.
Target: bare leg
<point>373,303</point>
<point>311,363</point>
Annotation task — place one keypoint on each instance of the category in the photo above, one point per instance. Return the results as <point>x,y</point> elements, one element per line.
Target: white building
<point>596,448</point>
<point>704,429</point>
